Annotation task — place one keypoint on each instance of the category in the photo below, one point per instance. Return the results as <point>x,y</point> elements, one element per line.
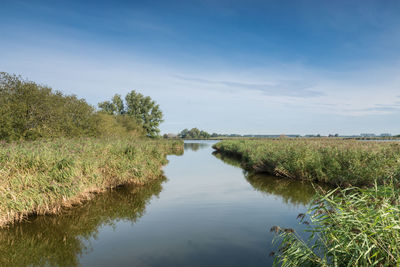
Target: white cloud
<point>271,99</point>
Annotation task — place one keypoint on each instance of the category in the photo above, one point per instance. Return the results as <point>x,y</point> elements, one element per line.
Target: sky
<point>245,67</point>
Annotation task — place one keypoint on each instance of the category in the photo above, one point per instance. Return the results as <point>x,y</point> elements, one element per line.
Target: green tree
<point>194,133</point>
<point>118,104</point>
<point>141,109</point>
<point>107,107</point>
<point>183,133</point>
<point>145,111</point>
<point>31,111</point>
<point>204,134</point>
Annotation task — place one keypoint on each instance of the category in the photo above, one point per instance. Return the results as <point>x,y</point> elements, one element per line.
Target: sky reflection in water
<point>209,212</point>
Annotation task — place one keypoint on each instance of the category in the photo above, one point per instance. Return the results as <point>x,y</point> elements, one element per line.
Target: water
<point>206,212</point>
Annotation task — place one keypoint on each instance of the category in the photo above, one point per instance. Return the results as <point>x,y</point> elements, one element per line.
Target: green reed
<point>349,227</point>
<point>338,162</point>
<point>42,176</point>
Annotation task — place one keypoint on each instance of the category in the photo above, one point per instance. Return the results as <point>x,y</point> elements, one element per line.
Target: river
<point>206,212</point>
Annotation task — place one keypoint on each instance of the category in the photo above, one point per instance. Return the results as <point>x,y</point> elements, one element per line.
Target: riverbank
<point>42,177</point>
<point>349,226</point>
<point>337,162</point>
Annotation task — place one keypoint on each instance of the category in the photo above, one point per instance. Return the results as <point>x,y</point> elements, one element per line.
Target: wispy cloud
<point>281,88</point>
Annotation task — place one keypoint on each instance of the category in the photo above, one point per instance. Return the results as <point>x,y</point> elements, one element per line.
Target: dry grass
<point>41,177</point>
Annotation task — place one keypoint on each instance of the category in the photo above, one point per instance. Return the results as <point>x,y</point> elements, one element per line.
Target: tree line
<point>29,111</point>
<point>194,133</point>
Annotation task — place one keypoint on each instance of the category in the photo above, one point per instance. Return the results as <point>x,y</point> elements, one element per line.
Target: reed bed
<point>338,162</point>
<point>349,227</point>
<point>43,176</point>
<point>356,224</point>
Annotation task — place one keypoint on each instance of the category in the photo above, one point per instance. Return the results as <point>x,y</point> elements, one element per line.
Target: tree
<point>140,108</point>
<point>107,107</point>
<point>204,134</point>
<point>194,133</point>
<point>145,111</point>
<point>118,104</point>
<point>114,107</point>
<point>183,133</point>
<point>31,111</point>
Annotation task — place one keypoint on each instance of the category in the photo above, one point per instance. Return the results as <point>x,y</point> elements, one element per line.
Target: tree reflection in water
<point>59,240</point>
<point>195,146</point>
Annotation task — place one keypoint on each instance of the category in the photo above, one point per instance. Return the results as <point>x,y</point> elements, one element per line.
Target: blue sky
<point>257,67</point>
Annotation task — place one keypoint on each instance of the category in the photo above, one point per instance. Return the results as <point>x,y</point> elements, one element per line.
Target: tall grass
<point>349,227</point>
<point>42,176</point>
<point>338,162</point>
<point>61,239</point>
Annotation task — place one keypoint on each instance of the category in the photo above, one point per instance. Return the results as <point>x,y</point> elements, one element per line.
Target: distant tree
<point>183,133</point>
<point>204,134</point>
<point>194,133</point>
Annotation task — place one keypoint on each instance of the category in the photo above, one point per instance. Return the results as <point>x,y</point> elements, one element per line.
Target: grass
<point>337,162</point>
<point>61,239</point>
<point>41,177</point>
<point>356,224</point>
<point>349,227</point>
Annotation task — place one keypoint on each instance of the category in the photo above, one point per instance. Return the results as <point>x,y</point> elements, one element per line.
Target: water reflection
<point>60,240</point>
<point>291,191</point>
<point>195,146</point>
<point>208,214</point>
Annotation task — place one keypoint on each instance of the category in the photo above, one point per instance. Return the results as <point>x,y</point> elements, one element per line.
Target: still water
<point>206,212</point>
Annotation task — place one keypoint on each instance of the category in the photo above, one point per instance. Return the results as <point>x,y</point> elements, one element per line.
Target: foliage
<point>30,111</point>
<point>338,162</point>
<point>117,126</point>
<point>41,176</point>
<point>142,110</point>
<point>350,227</point>
<point>113,107</point>
<point>194,133</point>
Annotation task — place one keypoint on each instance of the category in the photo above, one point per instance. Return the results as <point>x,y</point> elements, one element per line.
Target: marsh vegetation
<point>42,176</point>
<point>349,226</point>
<point>336,162</point>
